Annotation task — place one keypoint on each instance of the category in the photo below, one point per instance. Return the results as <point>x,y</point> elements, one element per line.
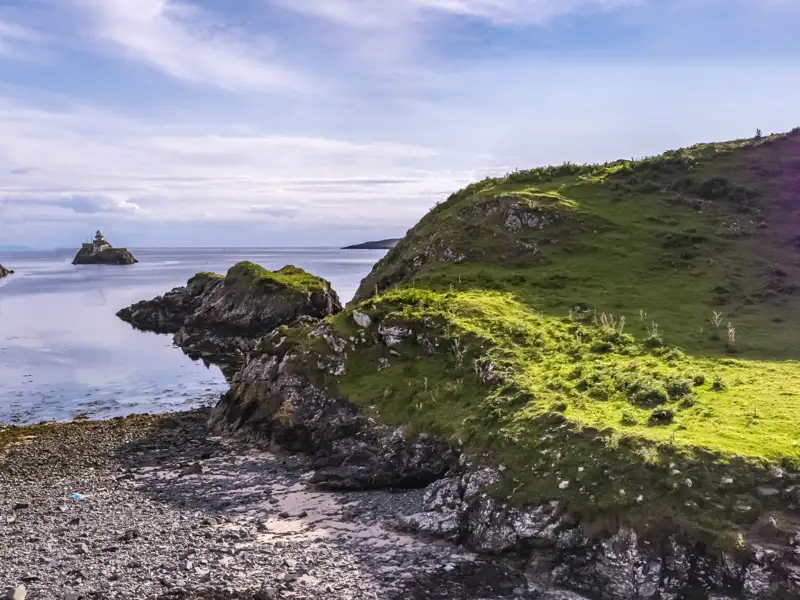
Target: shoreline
<point>170,510</point>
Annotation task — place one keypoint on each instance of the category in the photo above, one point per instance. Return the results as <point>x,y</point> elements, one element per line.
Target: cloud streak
<point>379,14</point>
<point>192,44</point>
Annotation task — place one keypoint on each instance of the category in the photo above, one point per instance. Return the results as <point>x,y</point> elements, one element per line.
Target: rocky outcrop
<point>222,318</point>
<point>5,272</point>
<point>623,565</point>
<point>514,225</point>
<point>109,256</point>
<point>274,400</point>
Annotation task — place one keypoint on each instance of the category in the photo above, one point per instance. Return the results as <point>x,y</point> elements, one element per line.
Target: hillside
<point>620,337</point>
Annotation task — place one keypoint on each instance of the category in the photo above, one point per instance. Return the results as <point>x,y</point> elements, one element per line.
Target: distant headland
<point>100,252</point>
<point>375,245</point>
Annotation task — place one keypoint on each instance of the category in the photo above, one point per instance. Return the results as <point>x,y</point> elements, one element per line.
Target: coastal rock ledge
<point>221,318</point>
<point>5,272</point>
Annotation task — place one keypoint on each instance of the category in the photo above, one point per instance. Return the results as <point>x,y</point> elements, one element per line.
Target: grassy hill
<point>622,337</point>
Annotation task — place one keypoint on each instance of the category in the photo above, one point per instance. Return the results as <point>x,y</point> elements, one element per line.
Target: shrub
<point>654,341</point>
<point>699,380</point>
<point>629,418</point>
<point>677,387</point>
<point>718,385</point>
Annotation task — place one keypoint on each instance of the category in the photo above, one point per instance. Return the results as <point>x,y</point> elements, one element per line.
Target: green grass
<point>642,337</point>
<point>289,277</point>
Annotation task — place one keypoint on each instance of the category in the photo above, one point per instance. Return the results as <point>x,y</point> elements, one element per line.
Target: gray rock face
<point>221,319</point>
<point>564,562</point>
<point>272,401</point>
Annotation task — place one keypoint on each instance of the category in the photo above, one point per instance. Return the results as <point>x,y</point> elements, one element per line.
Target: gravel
<point>166,510</point>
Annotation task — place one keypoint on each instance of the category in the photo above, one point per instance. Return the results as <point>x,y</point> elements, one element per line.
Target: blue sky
<point>321,122</point>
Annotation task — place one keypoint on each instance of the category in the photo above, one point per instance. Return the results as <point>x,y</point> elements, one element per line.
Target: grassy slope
<point>664,243</point>
<point>289,277</point>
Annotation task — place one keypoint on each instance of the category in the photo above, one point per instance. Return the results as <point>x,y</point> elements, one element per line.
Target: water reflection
<point>63,351</point>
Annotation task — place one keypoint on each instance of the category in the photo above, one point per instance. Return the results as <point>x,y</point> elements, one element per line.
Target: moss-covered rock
<point>222,317</point>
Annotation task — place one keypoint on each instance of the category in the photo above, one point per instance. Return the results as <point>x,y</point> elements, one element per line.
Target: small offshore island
<point>100,252</point>
<point>386,244</point>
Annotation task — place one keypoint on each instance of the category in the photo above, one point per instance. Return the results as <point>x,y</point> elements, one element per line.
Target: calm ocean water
<point>63,352</point>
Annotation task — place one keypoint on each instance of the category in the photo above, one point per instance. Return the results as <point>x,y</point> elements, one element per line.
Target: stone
<point>767,492</point>
<point>83,549</point>
<point>17,593</point>
<point>194,469</point>
<point>361,319</point>
<point>21,506</point>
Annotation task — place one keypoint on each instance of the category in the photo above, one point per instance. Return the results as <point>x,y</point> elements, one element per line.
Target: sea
<point>64,354</point>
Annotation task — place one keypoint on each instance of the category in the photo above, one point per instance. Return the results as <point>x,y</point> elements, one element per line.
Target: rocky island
<point>386,244</point>
<point>100,252</point>
<point>5,272</point>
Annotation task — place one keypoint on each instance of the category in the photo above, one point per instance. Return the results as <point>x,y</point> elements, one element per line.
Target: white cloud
<point>188,43</point>
<point>81,161</point>
<point>379,13</point>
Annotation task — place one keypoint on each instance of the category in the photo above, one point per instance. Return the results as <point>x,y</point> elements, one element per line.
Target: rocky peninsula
<point>100,252</point>
<point>558,413</point>
<point>580,376</point>
<point>5,272</point>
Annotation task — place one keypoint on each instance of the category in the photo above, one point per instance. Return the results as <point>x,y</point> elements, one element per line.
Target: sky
<point>327,122</point>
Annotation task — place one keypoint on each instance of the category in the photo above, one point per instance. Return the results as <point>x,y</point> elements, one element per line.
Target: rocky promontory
<point>5,272</point>
<point>100,252</point>
<point>623,440</point>
<point>221,317</point>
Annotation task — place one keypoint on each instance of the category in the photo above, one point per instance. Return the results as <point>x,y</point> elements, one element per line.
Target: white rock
<point>361,319</point>
<point>17,593</point>
<point>563,485</point>
<point>688,482</point>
